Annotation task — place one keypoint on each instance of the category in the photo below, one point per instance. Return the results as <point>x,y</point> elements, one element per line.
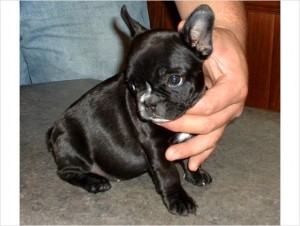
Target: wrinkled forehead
<point>157,43</point>
<point>158,49</point>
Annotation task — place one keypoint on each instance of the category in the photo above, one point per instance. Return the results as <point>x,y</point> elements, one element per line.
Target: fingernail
<point>193,167</point>
<point>170,154</point>
<point>161,123</point>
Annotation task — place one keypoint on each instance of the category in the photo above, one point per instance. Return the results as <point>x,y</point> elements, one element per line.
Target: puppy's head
<point>164,68</point>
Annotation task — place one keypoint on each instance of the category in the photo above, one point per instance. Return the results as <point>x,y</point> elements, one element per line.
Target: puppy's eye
<point>131,85</point>
<point>175,81</point>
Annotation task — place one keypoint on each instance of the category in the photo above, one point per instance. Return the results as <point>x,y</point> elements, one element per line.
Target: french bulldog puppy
<point>110,133</point>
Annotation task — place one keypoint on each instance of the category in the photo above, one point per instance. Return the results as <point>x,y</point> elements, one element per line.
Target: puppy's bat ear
<point>197,31</point>
<point>135,27</point>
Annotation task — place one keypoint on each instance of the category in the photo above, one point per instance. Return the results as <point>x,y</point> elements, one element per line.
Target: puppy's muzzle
<point>150,106</point>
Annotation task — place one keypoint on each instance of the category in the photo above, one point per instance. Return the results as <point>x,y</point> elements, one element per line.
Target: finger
<point>180,25</point>
<point>195,124</point>
<point>194,146</point>
<point>197,160</point>
<point>222,95</point>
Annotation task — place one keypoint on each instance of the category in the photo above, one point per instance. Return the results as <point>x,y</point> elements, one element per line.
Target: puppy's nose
<point>149,106</point>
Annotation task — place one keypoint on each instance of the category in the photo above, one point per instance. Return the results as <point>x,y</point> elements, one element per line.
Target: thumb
<point>180,25</point>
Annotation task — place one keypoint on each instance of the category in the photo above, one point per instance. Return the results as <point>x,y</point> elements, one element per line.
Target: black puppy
<point>110,132</point>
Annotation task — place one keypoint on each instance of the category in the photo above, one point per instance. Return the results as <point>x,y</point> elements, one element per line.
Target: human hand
<point>226,76</point>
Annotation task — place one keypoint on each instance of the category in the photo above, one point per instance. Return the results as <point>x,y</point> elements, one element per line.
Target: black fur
<point>109,134</point>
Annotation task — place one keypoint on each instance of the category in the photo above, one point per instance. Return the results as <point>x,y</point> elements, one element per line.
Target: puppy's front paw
<point>180,203</point>
<point>199,178</point>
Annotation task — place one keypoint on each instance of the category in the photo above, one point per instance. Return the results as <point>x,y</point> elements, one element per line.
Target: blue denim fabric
<point>73,40</point>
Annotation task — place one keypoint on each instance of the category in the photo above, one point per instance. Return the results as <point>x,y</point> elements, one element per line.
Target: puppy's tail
<point>49,140</point>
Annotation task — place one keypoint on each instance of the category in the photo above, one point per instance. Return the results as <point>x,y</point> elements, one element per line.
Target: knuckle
<point>239,112</point>
<point>208,126</point>
<point>211,147</point>
<point>243,92</point>
<point>207,109</point>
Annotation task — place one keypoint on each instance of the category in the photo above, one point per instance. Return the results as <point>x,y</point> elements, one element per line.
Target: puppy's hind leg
<point>200,177</point>
<point>74,162</point>
<point>89,181</point>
